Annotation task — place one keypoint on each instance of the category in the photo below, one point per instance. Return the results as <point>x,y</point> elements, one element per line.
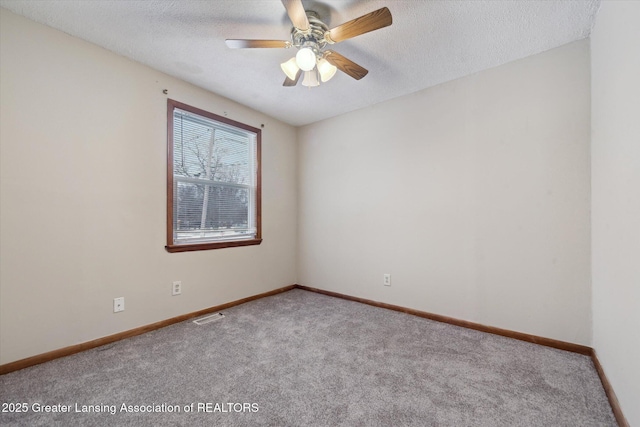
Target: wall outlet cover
<point>118,304</point>
<point>176,289</point>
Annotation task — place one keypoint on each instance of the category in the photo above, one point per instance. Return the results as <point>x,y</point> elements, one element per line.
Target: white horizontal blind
<point>214,175</point>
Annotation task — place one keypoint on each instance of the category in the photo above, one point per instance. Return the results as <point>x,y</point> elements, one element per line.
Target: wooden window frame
<point>171,246</point>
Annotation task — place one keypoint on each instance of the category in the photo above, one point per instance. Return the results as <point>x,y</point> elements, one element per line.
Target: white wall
<point>473,194</point>
<point>615,55</point>
<point>83,190</point>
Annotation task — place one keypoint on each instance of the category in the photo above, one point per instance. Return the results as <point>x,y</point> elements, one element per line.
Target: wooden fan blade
<point>244,43</point>
<point>345,65</point>
<point>288,82</point>
<point>296,13</point>
<point>371,21</point>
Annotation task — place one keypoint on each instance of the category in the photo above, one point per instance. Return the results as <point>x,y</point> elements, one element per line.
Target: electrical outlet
<point>386,279</point>
<point>118,304</point>
<point>177,288</point>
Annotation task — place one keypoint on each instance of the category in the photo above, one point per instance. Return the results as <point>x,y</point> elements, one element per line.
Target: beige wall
<point>615,53</point>
<point>83,190</point>
<point>473,194</point>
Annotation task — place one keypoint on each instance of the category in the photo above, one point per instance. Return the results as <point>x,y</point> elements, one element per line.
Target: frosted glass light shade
<point>290,68</point>
<point>326,70</point>
<point>306,59</point>
<point>310,79</point>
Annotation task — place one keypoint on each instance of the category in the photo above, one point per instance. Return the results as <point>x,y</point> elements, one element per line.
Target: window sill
<point>207,246</point>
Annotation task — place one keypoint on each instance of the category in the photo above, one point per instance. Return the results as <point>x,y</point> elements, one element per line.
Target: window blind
<point>214,173</point>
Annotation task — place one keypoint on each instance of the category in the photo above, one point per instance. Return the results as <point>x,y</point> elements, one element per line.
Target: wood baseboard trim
<point>77,348</point>
<point>562,345</point>
<point>611,395</point>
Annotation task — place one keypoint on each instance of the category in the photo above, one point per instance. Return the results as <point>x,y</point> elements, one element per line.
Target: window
<point>213,181</point>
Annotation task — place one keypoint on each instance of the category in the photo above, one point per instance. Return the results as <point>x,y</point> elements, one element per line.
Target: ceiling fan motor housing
<point>314,37</point>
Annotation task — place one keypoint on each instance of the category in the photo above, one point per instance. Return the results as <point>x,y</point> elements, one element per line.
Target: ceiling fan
<point>310,36</point>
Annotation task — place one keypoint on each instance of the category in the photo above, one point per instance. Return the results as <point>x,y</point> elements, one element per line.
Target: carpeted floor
<point>304,359</point>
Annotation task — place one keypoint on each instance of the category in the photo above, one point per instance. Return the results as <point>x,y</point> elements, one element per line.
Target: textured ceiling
<point>430,42</point>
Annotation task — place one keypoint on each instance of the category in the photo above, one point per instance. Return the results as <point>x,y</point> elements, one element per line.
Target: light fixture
<point>290,68</point>
<point>311,60</point>
<point>306,59</point>
<point>310,79</point>
<point>326,70</point>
